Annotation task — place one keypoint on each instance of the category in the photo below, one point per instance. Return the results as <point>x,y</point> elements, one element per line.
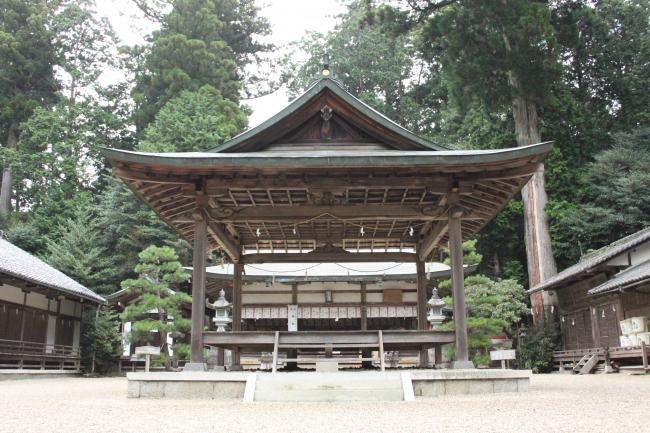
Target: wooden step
<point>581,363</point>
<point>590,365</point>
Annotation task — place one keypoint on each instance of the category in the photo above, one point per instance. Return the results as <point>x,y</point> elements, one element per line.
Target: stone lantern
<point>222,309</point>
<point>434,314</point>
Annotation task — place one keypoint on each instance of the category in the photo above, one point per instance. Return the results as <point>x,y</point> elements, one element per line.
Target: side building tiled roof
<point>22,265</point>
<point>595,258</point>
<point>631,275</point>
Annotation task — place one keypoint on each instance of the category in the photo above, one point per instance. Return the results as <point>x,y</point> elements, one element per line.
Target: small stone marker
<point>503,356</point>
<point>147,351</point>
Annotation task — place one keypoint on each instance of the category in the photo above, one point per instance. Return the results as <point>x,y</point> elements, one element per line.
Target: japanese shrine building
<point>327,179</point>
<point>40,312</point>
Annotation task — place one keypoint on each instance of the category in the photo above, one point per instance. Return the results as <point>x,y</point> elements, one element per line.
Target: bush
<point>537,344</point>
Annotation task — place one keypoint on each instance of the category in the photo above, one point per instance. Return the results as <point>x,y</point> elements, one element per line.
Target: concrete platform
<point>403,385</point>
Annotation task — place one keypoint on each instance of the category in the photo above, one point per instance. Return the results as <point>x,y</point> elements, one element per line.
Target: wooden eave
<point>327,92</point>
<point>270,204</point>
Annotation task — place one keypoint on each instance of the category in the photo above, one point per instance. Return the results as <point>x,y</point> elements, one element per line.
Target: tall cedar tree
<point>187,53</point>
<point>157,309</point>
<point>26,77</point>
<point>241,28</point>
<point>504,52</point>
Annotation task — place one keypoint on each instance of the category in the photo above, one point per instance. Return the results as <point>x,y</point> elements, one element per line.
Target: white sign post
<point>147,351</point>
<point>292,316</point>
<point>503,355</point>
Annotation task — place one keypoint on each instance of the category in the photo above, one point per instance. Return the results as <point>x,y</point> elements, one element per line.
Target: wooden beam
<point>299,213</point>
<point>431,240</point>
<point>508,173</point>
<point>124,173</point>
<point>224,240</point>
<point>327,257</point>
<point>434,184</point>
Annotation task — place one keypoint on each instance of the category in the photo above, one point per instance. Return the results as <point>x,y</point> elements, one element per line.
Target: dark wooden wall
<point>10,320</point>
<point>593,321</point>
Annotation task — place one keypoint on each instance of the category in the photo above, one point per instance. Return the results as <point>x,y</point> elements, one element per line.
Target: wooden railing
<point>15,347</point>
<point>30,354</point>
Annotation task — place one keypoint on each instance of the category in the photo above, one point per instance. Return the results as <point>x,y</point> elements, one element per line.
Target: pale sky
<point>290,20</point>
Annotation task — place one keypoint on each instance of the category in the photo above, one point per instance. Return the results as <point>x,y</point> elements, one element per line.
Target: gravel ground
<point>555,403</point>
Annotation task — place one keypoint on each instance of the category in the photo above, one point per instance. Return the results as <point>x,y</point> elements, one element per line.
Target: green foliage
<point>59,147</point>
<point>78,254</point>
<point>193,122</point>
<point>379,68</point>
<point>502,299</point>
<point>537,344</point>
<point>127,226</point>
<point>101,339</point>
<point>616,187</point>
<point>187,53</point>
<point>157,309</point>
<point>494,307</point>
<point>86,45</point>
<point>28,58</point>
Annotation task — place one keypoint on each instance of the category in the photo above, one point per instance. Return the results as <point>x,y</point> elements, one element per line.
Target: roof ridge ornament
<point>325,70</point>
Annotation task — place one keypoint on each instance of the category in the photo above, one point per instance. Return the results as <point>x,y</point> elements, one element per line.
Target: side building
<point>40,312</point>
<point>593,297</point>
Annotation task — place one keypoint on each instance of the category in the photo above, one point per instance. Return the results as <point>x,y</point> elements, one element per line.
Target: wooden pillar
<point>236,308</point>
<point>364,301</point>
<point>22,316</point>
<point>365,353</point>
<point>294,293</point>
<point>458,288</point>
<point>198,286</point>
<point>421,283</point>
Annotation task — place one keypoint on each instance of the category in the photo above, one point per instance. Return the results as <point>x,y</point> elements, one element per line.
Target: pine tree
<point>101,339</point>
<point>127,226</point>
<point>78,254</point>
<point>157,309</point>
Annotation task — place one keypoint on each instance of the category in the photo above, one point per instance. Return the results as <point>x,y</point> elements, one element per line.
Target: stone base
<point>327,367</point>
<point>11,374</point>
<point>462,365</point>
<point>195,366</point>
<point>392,385</point>
<point>433,383</point>
<point>199,385</point>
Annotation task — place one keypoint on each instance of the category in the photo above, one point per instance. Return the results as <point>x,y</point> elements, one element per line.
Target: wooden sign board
<point>147,350</point>
<point>503,355</point>
<point>392,296</point>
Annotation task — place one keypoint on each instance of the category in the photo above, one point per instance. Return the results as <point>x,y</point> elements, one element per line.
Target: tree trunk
<point>5,188</point>
<point>540,261</point>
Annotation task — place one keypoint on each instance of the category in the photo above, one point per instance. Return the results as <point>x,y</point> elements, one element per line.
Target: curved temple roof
<point>21,265</point>
<point>328,175</point>
<point>329,90</point>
